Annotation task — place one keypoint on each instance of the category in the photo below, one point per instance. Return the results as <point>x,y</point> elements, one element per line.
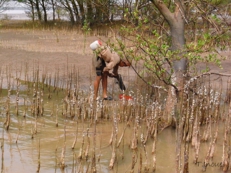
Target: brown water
<point>35,142</point>
<point>23,156</point>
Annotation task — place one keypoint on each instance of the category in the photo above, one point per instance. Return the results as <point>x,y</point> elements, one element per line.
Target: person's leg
<point>100,75</point>
<point>104,84</point>
<point>96,86</point>
<point>100,64</point>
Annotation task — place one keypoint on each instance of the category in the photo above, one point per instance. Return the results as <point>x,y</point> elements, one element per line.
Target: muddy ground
<point>52,52</point>
<point>58,51</point>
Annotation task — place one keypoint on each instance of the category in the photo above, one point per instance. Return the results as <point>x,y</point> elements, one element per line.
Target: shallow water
<point>40,142</point>
<point>23,155</point>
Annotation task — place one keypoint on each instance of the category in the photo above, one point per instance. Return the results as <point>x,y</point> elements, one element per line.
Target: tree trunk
<point>76,11</point>
<point>68,7</point>
<point>44,10</point>
<point>98,12</point>
<point>177,27</point>
<point>180,64</point>
<point>53,4</point>
<point>30,3</point>
<point>38,10</point>
<point>175,94</point>
<point>81,9</point>
<point>89,12</point>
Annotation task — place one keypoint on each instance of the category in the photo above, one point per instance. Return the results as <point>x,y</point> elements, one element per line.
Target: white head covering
<point>95,44</point>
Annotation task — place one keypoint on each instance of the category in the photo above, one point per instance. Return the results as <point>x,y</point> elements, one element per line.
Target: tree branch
<point>205,74</point>
<point>168,15</point>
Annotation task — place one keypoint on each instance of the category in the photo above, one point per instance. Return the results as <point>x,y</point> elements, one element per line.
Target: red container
<point>125,97</point>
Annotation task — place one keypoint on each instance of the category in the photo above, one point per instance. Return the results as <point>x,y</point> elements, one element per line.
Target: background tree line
<point>95,11</point>
<point>78,11</point>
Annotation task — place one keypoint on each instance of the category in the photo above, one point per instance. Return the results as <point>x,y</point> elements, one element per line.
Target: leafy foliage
<point>147,38</point>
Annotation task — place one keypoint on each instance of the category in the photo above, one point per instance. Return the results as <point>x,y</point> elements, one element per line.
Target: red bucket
<point>125,97</point>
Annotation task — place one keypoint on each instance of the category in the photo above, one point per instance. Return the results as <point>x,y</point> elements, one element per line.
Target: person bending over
<point>112,59</point>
